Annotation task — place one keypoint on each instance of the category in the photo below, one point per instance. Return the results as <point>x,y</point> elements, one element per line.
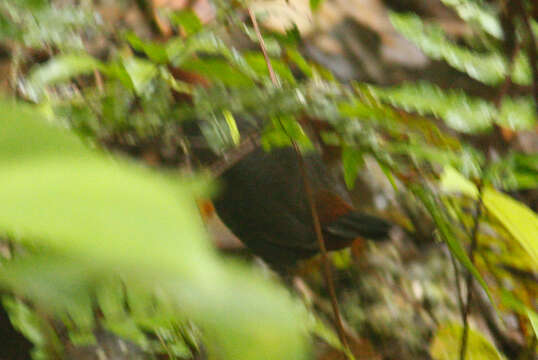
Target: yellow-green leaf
<point>446,344</point>
<point>453,181</point>
<point>518,219</point>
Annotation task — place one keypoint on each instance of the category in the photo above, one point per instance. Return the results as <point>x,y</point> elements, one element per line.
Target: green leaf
<point>514,171</point>
<point>257,62</point>
<point>281,130</point>
<point>272,43</point>
<point>446,344</point>
<point>40,139</point>
<point>300,61</point>
<point>533,318</point>
<point>352,159</point>
<point>232,125</point>
<point>218,70</point>
<point>478,13</point>
<point>92,217</point>
<point>155,51</point>
<point>518,219</point>
<point>315,4</point>
<point>62,68</point>
<point>188,20</point>
<point>140,72</point>
<point>518,114</point>
<point>490,68</point>
<point>220,132</point>
<point>8,30</point>
<point>33,4</point>
<point>26,321</point>
<point>451,180</point>
<point>459,111</point>
<point>180,50</point>
<point>510,301</point>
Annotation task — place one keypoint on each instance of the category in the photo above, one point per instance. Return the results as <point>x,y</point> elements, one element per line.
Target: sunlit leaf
<point>518,219</point>
<point>478,13</point>
<point>459,111</point>
<point>282,130</point>
<point>451,180</point>
<point>62,68</point>
<point>518,114</point>
<point>533,318</point>
<point>232,125</point>
<point>446,344</point>
<point>490,68</point>
<point>141,72</point>
<point>30,325</point>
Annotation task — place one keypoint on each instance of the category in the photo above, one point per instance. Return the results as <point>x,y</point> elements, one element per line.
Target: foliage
<point>447,339</point>
<point>75,210</point>
<point>112,206</point>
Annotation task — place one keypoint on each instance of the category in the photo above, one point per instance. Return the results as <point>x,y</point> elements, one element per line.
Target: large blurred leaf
<point>446,344</point>
<point>94,216</point>
<point>40,138</point>
<point>518,219</point>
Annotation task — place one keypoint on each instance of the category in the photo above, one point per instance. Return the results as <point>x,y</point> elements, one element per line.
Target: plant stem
<point>308,189</point>
<point>469,277</point>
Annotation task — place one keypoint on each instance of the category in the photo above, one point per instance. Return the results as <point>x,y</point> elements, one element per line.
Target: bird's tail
<point>353,225</point>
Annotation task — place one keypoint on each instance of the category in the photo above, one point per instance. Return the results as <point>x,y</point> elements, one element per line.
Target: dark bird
<point>264,203</point>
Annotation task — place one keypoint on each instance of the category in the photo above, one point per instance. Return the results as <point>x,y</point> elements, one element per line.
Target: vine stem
<point>469,277</point>
<point>461,304</point>
<point>309,195</point>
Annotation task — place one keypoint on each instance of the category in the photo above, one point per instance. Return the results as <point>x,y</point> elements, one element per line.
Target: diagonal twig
<point>469,278</point>
<point>309,194</point>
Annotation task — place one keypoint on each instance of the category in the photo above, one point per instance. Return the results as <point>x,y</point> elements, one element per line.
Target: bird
<point>263,201</point>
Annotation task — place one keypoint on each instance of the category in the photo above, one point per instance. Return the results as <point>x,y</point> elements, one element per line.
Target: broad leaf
<point>518,219</point>
<point>446,344</point>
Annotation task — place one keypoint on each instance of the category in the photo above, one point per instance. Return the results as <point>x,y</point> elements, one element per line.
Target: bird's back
<point>263,201</point>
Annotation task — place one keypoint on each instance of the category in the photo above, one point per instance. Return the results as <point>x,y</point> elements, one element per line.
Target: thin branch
<point>99,81</point>
<point>309,194</point>
<point>458,287</point>
<point>469,278</point>
<point>272,74</point>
